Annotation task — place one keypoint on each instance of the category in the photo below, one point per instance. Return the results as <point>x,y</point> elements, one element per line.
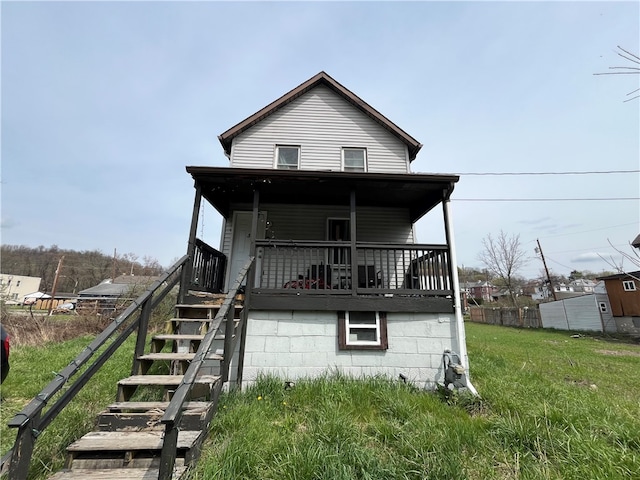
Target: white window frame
<point>629,285</point>
<point>380,328</point>
<point>603,307</point>
<point>364,153</point>
<point>277,164</point>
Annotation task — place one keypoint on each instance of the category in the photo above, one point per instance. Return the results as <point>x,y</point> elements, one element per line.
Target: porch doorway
<point>241,243</point>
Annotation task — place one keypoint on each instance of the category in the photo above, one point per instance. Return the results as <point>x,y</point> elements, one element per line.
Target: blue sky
<point>104,104</point>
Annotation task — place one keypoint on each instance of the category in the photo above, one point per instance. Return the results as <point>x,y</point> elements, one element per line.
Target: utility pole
<point>55,284</point>
<point>539,250</point>
<point>113,276</point>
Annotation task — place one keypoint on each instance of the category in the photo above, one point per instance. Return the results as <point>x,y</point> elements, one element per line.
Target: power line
<point>600,172</point>
<point>544,199</point>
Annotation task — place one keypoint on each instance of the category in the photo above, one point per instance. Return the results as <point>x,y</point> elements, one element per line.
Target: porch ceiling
<point>223,187</point>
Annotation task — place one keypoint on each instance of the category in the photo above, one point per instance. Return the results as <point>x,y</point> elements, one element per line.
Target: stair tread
<point>118,473</point>
<point>164,379</point>
<point>124,441</point>
<point>145,406</point>
<point>178,336</point>
<point>177,356</point>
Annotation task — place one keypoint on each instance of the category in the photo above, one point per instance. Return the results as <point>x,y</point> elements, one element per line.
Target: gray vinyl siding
<point>321,123</point>
<point>309,222</point>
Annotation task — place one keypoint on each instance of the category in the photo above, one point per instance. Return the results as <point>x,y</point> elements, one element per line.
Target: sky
<point>103,104</point>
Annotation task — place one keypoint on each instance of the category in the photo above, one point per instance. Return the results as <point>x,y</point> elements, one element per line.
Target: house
<point>480,290</point>
<point>623,291</point>
<point>582,285</point>
<point>319,190</point>
<point>111,295</point>
<point>13,288</point>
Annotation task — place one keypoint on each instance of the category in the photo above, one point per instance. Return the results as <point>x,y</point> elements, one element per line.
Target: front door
<point>241,242</point>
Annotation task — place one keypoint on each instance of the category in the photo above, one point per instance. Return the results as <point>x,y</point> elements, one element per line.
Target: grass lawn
<point>551,407</point>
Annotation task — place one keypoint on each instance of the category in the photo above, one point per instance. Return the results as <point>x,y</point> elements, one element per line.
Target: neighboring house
<point>591,312</point>
<point>13,288</point>
<point>319,189</point>
<point>543,293</point>
<point>111,295</point>
<point>623,290</point>
<point>479,290</point>
<point>582,285</point>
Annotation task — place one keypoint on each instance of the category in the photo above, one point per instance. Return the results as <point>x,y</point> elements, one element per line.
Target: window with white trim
<point>287,157</point>
<point>362,331</point>
<point>629,286</point>
<point>354,160</point>
<point>603,307</point>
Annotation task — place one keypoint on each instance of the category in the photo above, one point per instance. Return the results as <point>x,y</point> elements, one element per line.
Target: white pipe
<point>462,341</point>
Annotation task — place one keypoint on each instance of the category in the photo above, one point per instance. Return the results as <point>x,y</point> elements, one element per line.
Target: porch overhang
<point>419,193</point>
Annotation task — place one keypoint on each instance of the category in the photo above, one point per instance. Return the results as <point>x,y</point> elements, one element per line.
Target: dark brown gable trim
<point>321,78</point>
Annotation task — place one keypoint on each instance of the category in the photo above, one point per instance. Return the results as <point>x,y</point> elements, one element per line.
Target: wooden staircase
<point>129,435</point>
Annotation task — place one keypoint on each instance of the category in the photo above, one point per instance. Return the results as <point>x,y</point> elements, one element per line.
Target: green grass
<point>551,407</point>
<point>32,368</point>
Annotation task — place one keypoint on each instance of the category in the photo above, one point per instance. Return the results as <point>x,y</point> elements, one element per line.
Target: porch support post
<point>187,272</point>
<point>251,276</point>
<point>453,267</point>
<point>354,252</point>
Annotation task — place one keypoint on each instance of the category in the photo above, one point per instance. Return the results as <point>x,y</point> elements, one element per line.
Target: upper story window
<point>288,157</point>
<point>629,286</point>
<point>354,160</point>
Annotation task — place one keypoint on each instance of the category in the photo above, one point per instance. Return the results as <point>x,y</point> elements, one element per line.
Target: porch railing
<point>330,268</point>
<point>208,269</point>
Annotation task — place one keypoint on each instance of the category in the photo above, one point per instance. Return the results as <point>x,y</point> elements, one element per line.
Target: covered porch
<point>308,272</point>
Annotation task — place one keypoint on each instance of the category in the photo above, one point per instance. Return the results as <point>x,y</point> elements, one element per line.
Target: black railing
<point>33,419</point>
<point>328,268</point>
<point>173,413</point>
<point>208,269</point>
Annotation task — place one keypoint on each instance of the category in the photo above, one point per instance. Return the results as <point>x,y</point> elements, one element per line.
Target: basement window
<point>362,331</point>
<point>629,286</point>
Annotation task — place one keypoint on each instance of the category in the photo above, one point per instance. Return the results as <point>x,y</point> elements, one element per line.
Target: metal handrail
<point>174,410</point>
<point>29,421</point>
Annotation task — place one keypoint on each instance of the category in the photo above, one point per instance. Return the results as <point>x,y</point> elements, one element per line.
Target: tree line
<point>79,270</point>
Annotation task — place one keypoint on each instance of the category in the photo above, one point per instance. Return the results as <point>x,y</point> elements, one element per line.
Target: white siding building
<point>319,190</point>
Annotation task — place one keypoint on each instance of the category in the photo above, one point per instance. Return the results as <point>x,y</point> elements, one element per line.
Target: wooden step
<point>129,449</point>
<point>191,419</point>
<point>179,361</point>
<point>116,474</point>
<point>128,386</point>
<point>128,441</point>
<point>173,356</point>
<point>188,342</point>
<point>146,406</point>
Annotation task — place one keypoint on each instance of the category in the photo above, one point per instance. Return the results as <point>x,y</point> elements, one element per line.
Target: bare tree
<point>633,68</point>
<point>504,257</point>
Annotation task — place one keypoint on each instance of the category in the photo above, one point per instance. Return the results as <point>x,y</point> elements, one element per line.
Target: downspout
<point>453,265</point>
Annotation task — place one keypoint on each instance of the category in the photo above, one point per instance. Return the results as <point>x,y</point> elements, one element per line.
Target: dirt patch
<point>619,353</point>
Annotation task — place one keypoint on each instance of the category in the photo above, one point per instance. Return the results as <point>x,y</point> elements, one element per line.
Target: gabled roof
<point>636,242</point>
<point>320,79</point>
<point>620,276</point>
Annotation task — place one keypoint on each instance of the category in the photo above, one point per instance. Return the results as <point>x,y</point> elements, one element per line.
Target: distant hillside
<point>79,270</point>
